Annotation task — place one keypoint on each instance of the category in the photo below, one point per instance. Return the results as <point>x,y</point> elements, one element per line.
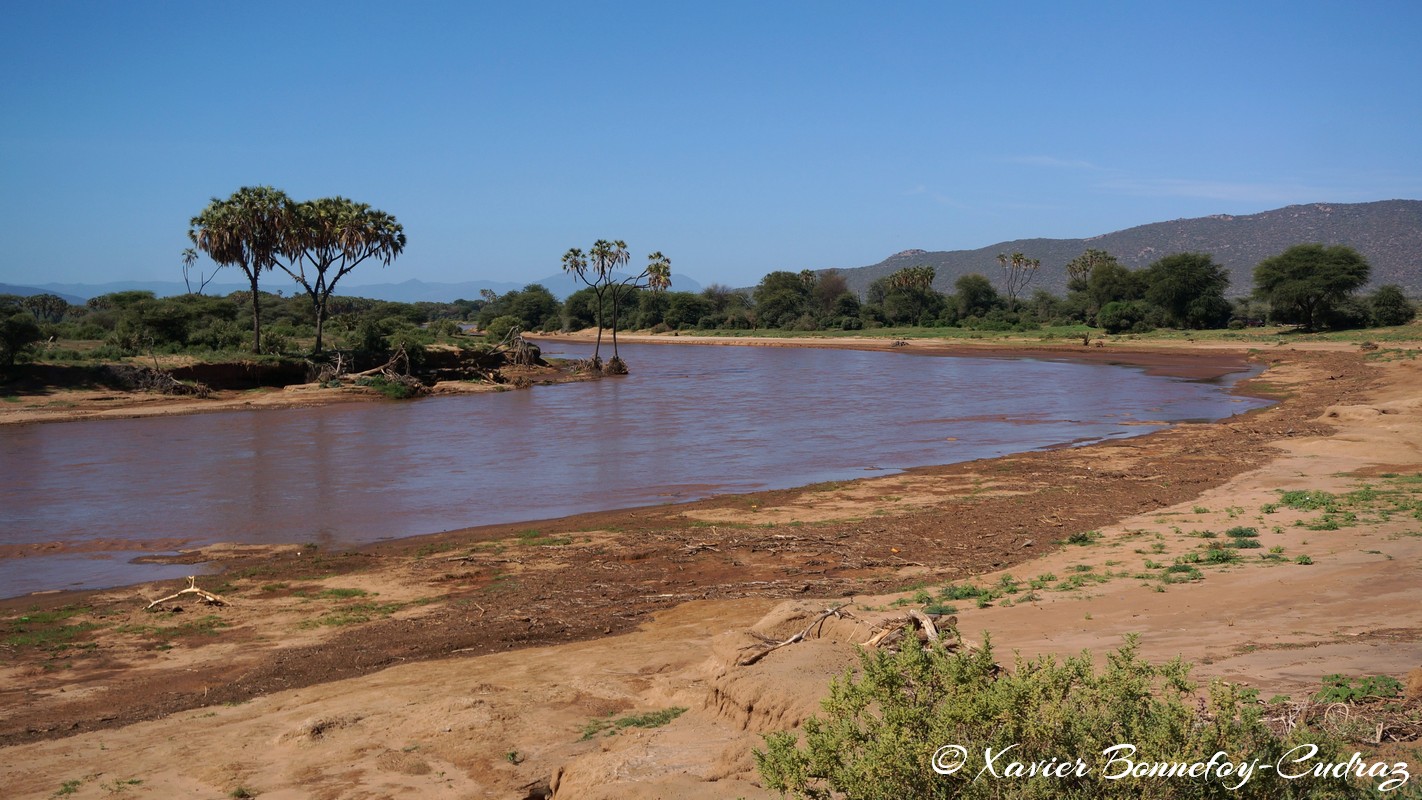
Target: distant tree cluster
<point>1312,286</point>
<point>138,323</point>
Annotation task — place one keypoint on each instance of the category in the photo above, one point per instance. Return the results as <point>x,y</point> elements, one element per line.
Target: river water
<point>691,421</point>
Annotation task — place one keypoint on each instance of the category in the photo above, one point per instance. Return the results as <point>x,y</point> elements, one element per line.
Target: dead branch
<point>152,379</point>
<point>892,630</point>
<point>746,661</point>
<point>515,348</point>
<point>926,623</point>
<point>398,358</point>
<point>333,371</point>
<point>207,597</point>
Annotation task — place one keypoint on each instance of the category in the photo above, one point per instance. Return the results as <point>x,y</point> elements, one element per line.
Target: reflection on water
<point>689,422</point>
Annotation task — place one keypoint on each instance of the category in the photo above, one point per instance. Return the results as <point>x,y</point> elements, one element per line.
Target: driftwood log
<point>207,597</point>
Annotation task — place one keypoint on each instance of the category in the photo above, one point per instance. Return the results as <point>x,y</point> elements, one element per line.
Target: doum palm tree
<point>247,231</point>
<point>332,236</point>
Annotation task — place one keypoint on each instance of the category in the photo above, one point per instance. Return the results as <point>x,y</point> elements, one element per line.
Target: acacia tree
<point>18,330</point>
<point>247,231</point>
<point>1190,288</point>
<point>1310,279</point>
<point>655,276</point>
<point>327,238</point>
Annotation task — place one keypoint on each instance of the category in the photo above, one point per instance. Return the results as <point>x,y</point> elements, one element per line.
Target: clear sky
<point>736,137</point>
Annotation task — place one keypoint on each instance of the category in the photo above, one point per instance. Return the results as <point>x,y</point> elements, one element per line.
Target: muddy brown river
<point>80,500</point>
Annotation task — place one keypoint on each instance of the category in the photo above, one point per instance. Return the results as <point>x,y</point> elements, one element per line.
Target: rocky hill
<point>1388,233</point>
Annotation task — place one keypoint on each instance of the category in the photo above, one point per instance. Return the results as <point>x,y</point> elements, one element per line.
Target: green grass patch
<point>533,538</point>
<point>46,630</point>
<point>342,594</point>
<point>207,625</point>
<point>353,614</point>
<point>610,726</point>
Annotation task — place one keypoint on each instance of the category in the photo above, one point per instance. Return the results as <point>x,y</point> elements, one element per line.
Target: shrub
<point>500,327</point>
<point>880,734</point>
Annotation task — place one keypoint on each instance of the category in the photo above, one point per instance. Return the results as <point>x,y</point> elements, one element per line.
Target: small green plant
<point>1083,537</point>
<point>1309,500</point>
<point>1340,689</point>
<point>68,787</point>
<point>513,757</point>
<point>959,591</point>
<point>1241,532</point>
<point>1217,555</point>
<point>1303,559</point>
<point>241,792</point>
<point>1180,573</point>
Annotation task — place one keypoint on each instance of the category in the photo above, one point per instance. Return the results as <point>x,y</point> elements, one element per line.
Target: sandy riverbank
<point>470,664</point>
<point>29,405</point>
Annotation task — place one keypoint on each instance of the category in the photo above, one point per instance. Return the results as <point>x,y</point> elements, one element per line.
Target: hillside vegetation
<point>1387,233</point>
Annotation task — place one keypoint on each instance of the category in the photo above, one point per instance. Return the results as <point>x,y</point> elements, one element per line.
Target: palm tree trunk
<point>256,315</point>
<point>597,348</point>
<point>615,300</point>
<point>320,325</point>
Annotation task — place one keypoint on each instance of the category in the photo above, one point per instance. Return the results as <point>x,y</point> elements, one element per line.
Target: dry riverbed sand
<point>595,657</point>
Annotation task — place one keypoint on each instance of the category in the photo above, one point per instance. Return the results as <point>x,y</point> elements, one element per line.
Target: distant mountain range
<point>560,284</point>
<point>1388,233</point>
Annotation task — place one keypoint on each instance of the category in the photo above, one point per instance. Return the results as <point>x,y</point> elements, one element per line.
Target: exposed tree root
<point>769,646</point>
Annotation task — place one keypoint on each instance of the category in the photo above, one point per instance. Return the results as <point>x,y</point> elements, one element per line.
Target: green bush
<point>880,733</point>
<point>499,327</point>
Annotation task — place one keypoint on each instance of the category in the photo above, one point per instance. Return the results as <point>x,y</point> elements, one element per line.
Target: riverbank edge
<point>1172,362</point>
<point>1157,358</point>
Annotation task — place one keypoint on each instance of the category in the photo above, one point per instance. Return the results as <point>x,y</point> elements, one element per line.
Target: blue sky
<point>736,137</point>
